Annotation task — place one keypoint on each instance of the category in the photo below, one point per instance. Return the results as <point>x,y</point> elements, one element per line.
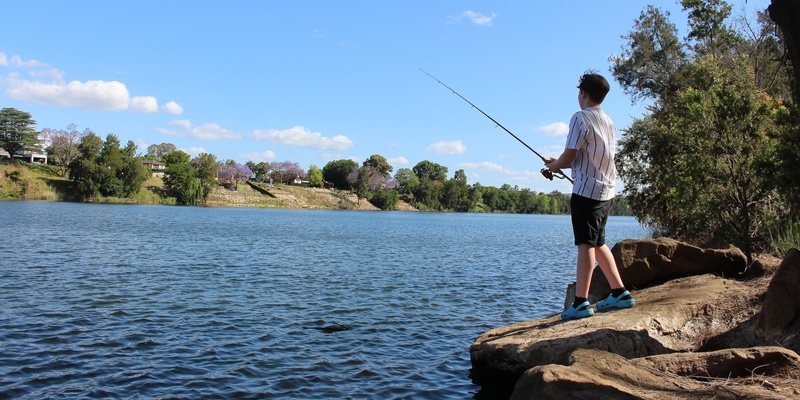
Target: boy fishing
<point>589,152</point>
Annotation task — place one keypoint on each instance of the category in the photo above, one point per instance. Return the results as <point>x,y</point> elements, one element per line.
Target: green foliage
<point>180,179</point>
<point>705,161</point>
<point>407,181</point>
<point>206,166</point>
<point>783,235</point>
<point>315,177</point>
<point>652,58</point>
<point>105,169</point>
<point>385,199</point>
<point>430,171</point>
<point>17,131</point>
<point>337,171</point>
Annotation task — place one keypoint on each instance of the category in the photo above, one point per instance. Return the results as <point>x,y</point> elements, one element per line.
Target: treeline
<point>105,168</point>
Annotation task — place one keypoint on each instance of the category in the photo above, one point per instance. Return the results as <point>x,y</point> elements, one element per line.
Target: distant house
<point>157,167</point>
<point>299,181</point>
<point>26,155</point>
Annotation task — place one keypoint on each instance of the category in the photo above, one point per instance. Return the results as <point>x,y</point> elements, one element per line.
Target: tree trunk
<point>786,13</point>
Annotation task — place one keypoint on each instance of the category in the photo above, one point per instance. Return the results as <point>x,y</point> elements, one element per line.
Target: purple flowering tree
<point>232,175</point>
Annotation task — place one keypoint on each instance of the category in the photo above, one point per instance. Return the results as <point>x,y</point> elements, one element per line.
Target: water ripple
<point>165,302</point>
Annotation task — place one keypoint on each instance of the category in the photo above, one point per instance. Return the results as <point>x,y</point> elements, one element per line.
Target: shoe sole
<point>620,304</point>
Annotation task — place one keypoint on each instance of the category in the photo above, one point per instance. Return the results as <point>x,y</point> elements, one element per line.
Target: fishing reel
<point>549,175</point>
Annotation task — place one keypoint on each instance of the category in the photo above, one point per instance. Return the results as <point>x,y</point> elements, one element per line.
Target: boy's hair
<point>594,85</point>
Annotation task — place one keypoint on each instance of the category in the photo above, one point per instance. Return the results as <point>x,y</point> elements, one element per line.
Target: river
<point>118,301</point>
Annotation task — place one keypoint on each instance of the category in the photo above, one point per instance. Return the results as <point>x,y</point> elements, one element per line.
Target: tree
<point>337,171</point>
<point>206,166</point>
<point>315,176</point>
<point>17,132</point>
<point>649,64</point>
<point>697,164</point>
<point>103,168</point>
<point>232,175</point>
<point>379,163</point>
<point>157,151</point>
<point>786,13</point>
<point>62,145</point>
<point>87,174</point>
<point>407,181</point>
<point>180,179</point>
<point>430,170</point>
<point>700,163</point>
<point>456,193</point>
<point>286,171</point>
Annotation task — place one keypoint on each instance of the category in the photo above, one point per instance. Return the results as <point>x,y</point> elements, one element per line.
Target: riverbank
<point>42,183</point>
<point>705,326</point>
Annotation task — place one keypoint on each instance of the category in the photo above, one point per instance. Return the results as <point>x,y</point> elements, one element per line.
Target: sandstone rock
<point>645,262</point>
<point>779,314</point>
<point>595,374</point>
<point>680,315</point>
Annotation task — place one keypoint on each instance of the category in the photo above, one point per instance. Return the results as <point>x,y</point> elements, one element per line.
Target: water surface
<point>101,301</point>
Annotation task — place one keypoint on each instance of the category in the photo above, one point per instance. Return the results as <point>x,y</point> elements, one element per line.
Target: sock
<point>617,292</point>
<point>578,301</point>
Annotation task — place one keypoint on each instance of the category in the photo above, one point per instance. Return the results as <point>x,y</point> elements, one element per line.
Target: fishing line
<point>559,175</point>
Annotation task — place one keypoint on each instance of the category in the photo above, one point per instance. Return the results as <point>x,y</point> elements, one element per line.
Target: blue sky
<point>316,81</point>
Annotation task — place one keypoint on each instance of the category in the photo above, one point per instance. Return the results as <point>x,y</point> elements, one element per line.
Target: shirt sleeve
<point>577,132</point>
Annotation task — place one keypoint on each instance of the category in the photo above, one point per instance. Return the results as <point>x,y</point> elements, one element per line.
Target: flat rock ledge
<point>698,337</point>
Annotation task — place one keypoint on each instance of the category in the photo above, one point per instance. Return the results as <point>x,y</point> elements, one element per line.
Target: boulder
<point>646,262</point>
<point>680,315</point>
<point>778,318</point>
<point>600,374</point>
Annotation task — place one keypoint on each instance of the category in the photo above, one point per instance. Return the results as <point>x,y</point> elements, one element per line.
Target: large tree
<point>337,171</point>
<point>207,167</point>
<point>103,168</point>
<point>17,131</point>
<point>699,162</point>
<point>180,179</point>
<point>62,145</point>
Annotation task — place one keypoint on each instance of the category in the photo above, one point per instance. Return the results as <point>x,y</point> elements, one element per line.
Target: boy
<point>589,152</point>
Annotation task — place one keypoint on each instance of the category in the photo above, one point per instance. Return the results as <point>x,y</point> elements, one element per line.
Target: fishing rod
<point>546,172</point>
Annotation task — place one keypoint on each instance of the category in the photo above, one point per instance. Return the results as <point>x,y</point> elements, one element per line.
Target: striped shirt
<point>593,135</point>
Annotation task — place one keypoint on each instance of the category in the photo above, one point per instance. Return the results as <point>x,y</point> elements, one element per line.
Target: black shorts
<point>589,219</point>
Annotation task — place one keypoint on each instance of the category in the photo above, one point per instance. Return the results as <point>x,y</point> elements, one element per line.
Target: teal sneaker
<point>624,300</point>
<point>582,311</point>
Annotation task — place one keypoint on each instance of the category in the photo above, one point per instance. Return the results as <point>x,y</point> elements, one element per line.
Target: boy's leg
<point>609,267</point>
<point>586,258</point>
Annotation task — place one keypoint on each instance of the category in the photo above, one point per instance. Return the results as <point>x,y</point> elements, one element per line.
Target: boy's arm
<point>563,161</point>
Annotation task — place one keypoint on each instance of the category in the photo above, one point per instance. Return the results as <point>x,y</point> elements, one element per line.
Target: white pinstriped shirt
<point>593,134</point>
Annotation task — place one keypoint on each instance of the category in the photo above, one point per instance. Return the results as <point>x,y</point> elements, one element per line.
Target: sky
<point>315,81</point>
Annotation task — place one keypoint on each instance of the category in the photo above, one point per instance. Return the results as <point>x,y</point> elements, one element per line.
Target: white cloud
<point>554,129</point>
<point>213,132</point>
<point>16,61</point>
<point>442,147</point>
<point>259,156</point>
<point>398,161</point>
<point>182,123</point>
<point>46,85</point>
<point>90,95</point>
<point>194,151</point>
<point>301,137</point>
<point>173,108</point>
<point>485,166</point>
<point>205,132</point>
<point>144,104</point>
<point>475,17</point>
